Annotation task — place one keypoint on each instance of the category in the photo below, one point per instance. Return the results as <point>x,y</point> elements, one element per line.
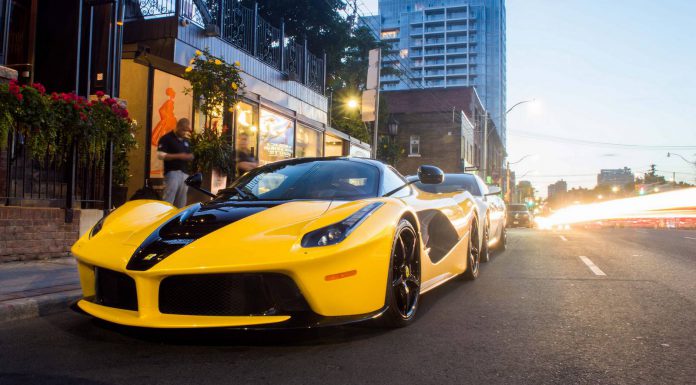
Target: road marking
<point>563,238</point>
<point>690,238</point>
<point>596,270</point>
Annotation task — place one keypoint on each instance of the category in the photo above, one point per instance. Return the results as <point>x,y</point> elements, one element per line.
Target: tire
<point>485,250</point>
<point>502,243</point>
<point>473,254</point>
<point>404,279</point>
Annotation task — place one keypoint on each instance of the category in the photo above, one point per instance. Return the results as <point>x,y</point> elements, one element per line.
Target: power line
<point>554,138</point>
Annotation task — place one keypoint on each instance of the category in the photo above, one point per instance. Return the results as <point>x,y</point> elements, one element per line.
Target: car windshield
<point>453,183</point>
<point>517,208</point>
<point>318,179</point>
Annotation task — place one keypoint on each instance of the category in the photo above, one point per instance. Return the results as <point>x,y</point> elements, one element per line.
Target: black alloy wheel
<point>485,250</point>
<point>474,253</point>
<point>403,289</point>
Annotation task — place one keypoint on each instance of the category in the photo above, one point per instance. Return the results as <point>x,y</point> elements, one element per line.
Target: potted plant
<point>216,84</point>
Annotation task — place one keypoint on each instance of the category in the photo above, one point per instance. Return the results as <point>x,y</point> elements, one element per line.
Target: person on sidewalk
<point>175,150</point>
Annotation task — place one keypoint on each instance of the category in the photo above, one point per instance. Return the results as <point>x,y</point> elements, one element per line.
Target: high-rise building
<point>446,43</point>
<point>621,178</point>
<point>555,189</point>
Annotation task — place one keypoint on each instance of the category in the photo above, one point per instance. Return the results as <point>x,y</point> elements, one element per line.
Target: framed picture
<point>169,105</point>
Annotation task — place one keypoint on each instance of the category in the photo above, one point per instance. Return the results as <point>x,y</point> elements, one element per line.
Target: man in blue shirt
<point>175,150</point>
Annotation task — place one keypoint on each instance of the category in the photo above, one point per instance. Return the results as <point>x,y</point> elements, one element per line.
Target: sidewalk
<point>36,288</point>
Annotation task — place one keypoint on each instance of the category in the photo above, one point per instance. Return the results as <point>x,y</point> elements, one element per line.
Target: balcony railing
<point>243,28</point>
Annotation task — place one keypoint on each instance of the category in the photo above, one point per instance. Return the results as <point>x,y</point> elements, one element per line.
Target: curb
<point>37,306</point>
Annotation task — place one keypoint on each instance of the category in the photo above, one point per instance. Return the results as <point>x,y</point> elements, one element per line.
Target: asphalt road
<point>538,314</point>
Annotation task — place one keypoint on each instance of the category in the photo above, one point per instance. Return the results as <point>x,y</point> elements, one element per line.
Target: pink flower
<point>100,94</point>
<point>39,87</point>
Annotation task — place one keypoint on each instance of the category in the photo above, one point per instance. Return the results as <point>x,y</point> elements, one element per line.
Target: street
<point>539,313</point>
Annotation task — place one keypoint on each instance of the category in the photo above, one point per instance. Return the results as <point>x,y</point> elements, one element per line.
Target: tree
<point>331,26</point>
<point>321,21</point>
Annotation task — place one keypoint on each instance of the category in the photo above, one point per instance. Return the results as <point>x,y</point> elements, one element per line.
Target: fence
<point>42,182</point>
<point>243,28</point>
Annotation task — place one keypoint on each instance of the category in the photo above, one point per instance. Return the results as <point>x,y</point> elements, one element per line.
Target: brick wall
<point>36,233</point>
<point>440,142</point>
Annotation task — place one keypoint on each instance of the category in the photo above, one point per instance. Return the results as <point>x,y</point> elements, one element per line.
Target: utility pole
<point>484,161</point>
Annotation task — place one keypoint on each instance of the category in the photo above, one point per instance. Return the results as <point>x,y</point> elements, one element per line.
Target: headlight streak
<point>671,204</point>
<point>337,232</point>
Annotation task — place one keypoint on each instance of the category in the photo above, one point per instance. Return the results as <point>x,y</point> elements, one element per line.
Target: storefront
<point>261,131</point>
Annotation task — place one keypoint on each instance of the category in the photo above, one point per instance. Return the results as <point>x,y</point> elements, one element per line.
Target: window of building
<point>403,53</point>
<point>414,147</point>
<point>308,142</point>
<point>390,34</point>
<point>246,133</point>
<point>276,137</point>
<point>333,146</point>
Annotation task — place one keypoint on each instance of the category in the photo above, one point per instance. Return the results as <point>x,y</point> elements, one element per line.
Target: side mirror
<point>195,180</point>
<point>430,175</point>
<point>493,190</point>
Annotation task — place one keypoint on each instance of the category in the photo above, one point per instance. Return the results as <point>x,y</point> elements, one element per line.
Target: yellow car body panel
<point>270,242</point>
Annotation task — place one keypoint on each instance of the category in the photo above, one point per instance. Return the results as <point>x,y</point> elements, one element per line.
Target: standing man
<point>175,150</point>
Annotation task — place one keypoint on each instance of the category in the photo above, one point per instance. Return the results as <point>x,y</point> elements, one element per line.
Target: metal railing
<point>243,28</point>
<point>43,182</point>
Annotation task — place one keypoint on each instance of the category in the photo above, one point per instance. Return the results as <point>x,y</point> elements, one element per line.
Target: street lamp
<point>352,103</point>
<point>521,159</point>
<point>669,154</point>
<point>392,126</point>
<point>484,159</point>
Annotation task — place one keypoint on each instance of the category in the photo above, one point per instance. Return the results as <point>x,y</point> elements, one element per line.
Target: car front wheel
<point>403,289</point>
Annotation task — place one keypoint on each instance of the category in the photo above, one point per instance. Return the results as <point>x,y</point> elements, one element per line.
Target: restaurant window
<point>308,142</point>
<point>246,134</point>
<point>333,146</point>
<point>276,137</point>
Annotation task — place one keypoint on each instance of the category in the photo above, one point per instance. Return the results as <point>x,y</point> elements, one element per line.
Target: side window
<point>393,180</point>
<point>482,186</point>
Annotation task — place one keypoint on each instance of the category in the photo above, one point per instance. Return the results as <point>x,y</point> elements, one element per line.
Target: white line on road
<point>563,238</point>
<point>596,270</point>
<point>690,238</point>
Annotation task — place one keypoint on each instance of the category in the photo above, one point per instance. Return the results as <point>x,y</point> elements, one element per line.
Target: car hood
<point>213,230</point>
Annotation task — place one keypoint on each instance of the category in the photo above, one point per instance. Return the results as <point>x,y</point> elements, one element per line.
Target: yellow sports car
<point>298,243</point>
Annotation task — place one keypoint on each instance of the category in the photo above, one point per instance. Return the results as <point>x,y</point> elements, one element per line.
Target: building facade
<point>444,44</point>
<point>621,178</point>
<point>449,139</point>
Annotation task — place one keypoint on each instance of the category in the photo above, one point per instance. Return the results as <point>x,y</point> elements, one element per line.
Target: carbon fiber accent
<point>114,289</point>
<point>230,295</point>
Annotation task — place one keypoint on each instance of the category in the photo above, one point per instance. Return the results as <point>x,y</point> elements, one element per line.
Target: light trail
<point>670,204</point>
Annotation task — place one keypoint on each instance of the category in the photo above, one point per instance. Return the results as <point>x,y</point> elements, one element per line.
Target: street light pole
<point>669,154</point>
<point>484,161</point>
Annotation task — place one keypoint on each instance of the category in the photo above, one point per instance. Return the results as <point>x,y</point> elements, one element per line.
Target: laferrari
<point>297,243</point>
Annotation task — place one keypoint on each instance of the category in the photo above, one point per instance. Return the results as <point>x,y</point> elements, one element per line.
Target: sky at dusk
<point>602,71</point>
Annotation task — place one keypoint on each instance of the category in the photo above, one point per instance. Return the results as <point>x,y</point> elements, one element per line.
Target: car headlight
<point>97,227</point>
<point>337,232</point>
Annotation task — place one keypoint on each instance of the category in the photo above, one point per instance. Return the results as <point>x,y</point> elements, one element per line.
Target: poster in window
<point>277,137</point>
<point>169,105</point>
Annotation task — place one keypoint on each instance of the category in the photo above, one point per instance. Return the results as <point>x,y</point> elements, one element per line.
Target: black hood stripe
<point>190,225</point>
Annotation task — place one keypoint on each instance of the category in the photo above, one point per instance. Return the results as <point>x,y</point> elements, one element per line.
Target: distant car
<point>518,215</point>
<point>489,207</point>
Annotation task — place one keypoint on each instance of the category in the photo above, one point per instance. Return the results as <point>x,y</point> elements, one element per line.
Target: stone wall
<point>36,233</point>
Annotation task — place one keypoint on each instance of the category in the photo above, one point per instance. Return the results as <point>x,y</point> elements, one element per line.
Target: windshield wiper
<point>248,195</point>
